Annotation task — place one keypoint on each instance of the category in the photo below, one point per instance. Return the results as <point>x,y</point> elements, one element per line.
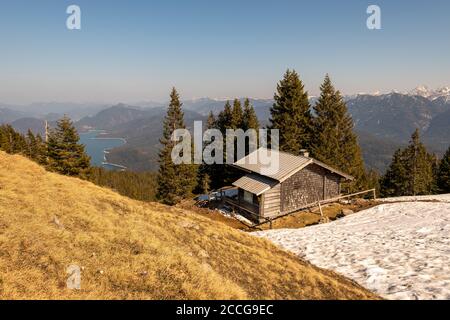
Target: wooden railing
<point>254,209</point>
<point>319,204</point>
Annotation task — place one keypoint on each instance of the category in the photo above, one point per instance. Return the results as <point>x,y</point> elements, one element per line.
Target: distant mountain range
<point>424,91</point>
<point>49,111</point>
<point>142,128</point>
<point>8,115</point>
<point>112,117</point>
<point>35,125</point>
<point>383,122</point>
<point>142,135</point>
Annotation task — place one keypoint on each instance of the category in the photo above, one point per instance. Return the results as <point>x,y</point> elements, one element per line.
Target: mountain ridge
<point>391,117</point>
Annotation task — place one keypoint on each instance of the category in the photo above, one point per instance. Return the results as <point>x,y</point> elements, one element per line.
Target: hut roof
<point>255,184</point>
<point>288,164</point>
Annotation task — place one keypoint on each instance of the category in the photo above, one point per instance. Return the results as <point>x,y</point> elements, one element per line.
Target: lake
<point>97,148</point>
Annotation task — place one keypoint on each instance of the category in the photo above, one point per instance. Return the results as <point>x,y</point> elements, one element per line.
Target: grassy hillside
<point>133,250</point>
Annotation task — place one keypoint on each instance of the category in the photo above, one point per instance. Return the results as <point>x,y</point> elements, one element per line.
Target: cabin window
<point>248,197</point>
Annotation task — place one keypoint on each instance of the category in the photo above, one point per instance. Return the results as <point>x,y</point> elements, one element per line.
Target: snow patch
<point>437,198</point>
<point>398,250</point>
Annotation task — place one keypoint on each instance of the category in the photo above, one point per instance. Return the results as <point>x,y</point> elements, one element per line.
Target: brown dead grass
<point>296,220</point>
<point>213,214</point>
<point>312,217</point>
<point>134,250</point>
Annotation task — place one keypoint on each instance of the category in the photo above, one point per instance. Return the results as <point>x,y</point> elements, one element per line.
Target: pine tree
<point>411,171</point>
<point>235,124</point>
<point>41,150</point>
<point>231,117</point>
<point>236,115</point>
<point>420,163</point>
<point>210,175</point>
<point>12,141</point>
<point>249,121</point>
<point>291,114</point>
<point>211,121</point>
<point>372,180</point>
<point>6,139</point>
<point>393,181</point>
<point>32,145</point>
<point>334,141</point>
<point>249,118</point>
<point>136,185</point>
<point>435,172</point>
<point>225,118</point>
<point>203,181</point>
<point>65,154</point>
<point>175,182</point>
<point>443,179</point>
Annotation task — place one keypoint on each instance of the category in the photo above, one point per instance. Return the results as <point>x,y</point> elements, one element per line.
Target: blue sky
<point>137,50</point>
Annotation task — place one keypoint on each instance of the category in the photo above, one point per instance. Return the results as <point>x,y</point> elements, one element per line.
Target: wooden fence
<point>318,204</point>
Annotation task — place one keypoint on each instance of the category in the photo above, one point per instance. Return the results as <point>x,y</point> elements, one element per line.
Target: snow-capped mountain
<point>423,91</point>
<point>431,94</point>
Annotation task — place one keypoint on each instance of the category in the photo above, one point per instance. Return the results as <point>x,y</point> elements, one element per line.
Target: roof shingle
<point>284,164</point>
<point>255,184</point>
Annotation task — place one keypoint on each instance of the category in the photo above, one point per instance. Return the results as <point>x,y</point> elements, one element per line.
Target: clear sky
<point>137,50</point>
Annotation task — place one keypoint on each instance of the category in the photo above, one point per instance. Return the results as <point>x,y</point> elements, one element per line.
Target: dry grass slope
<point>133,250</point>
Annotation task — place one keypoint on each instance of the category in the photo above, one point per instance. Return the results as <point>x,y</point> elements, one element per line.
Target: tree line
<point>326,130</point>
<point>414,171</point>
<point>178,182</point>
<point>61,152</point>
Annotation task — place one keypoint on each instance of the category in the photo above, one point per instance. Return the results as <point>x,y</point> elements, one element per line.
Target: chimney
<point>304,153</point>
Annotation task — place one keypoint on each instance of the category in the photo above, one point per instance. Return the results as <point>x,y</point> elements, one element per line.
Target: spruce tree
<point>372,180</point>
<point>211,122</point>
<point>12,141</point>
<point>291,114</point>
<point>32,145</point>
<point>6,139</point>
<point>41,150</point>
<point>249,118</point>
<point>211,175</point>
<point>175,182</point>
<point>443,179</point>
<point>420,162</point>
<point>225,118</point>
<point>203,181</point>
<point>393,182</point>
<point>65,154</point>
<point>411,172</point>
<point>249,121</point>
<point>334,141</point>
<point>236,115</point>
<point>435,172</point>
<point>136,185</point>
<point>236,123</point>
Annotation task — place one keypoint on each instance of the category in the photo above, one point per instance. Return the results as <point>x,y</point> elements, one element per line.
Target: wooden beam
<point>324,180</point>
